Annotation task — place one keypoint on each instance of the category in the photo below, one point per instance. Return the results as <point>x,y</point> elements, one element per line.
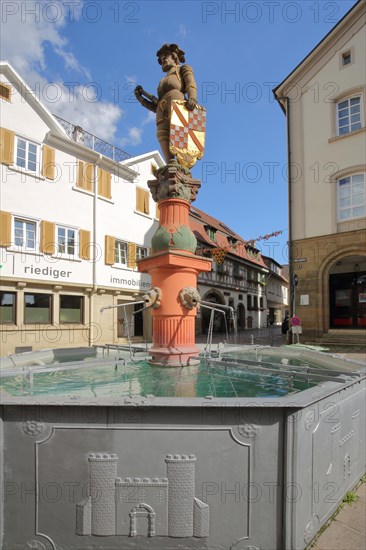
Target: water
<point>250,374</point>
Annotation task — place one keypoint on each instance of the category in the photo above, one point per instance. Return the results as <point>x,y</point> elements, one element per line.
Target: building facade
<point>238,278</point>
<point>74,221</point>
<point>324,100</point>
<point>276,291</point>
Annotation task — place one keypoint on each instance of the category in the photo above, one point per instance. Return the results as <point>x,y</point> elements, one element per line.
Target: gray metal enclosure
<point>161,473</point>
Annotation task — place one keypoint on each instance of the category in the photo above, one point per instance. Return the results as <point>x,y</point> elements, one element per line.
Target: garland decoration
<point>218,253</point>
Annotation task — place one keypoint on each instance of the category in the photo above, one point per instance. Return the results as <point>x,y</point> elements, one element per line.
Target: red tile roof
<point>198,221</point>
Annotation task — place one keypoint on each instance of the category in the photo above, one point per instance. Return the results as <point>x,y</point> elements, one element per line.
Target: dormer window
<point>211,233</point>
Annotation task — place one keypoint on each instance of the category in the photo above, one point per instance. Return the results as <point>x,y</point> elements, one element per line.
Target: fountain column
<point>174,267</point>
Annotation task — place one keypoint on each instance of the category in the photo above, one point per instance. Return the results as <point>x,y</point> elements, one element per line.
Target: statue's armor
<point>178,82</point>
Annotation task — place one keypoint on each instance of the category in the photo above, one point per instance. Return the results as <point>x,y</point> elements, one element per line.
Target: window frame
<point>50,308</point>
<point>349,114</point>
<point>66,253</point>
<point>13,308</point>
<point>26,168</point>
<point>82,310</point>
<point>117,258</point>
<point>138,250</point>
<point>25,220</point>
<point>351,206</point>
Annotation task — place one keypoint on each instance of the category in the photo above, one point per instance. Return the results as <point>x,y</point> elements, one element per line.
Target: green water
<point>113,379</point>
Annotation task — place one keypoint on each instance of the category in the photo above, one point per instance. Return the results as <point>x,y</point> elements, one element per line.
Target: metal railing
<point>93,142</point>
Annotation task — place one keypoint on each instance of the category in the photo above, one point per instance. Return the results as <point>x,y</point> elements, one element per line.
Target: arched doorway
<point>142,511</point>
<point>347,293</point>
<point>215,298</point>
<point>241,316</point>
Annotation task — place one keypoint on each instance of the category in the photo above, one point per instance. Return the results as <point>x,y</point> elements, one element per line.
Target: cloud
<point>150,117</point>
<point>29,29</point>
<point>134,137</point>
<point>182,31</point>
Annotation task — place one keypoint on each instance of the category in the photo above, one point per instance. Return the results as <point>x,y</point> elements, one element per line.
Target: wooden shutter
<point>157,211</point>
<point>104,183</point>
<point>48,162</point>
<point>146,202</point>
<point>110,250</point>
<point>5,229</point>
<point>139,200</point>
<point>131,261</point>
<point>84,244</point>
<point>7,138</point>
<point>5,91</point>
<point>47,241</point>
<point>85,176</point>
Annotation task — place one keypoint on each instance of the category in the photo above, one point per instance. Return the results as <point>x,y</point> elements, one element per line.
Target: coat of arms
<point>187,133</point>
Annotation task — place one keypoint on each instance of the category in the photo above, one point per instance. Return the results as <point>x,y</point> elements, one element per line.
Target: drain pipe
<point>94,249</point>
<point>289,175</point>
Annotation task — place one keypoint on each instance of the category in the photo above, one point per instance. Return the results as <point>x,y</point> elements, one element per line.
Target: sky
<point>83,58</point>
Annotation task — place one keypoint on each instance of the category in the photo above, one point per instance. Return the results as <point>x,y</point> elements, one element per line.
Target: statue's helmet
<point>172,49</point>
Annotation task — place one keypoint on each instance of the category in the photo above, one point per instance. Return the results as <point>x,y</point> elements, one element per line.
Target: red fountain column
<point>174,268</point>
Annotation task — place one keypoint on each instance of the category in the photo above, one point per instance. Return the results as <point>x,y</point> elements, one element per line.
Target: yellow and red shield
<point>187,133</point>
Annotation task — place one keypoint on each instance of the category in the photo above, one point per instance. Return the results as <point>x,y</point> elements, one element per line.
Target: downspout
<point>94,249</point>
<point>289,176</point>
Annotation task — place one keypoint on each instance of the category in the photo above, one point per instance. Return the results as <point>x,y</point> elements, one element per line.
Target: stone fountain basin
<point>244,472</point>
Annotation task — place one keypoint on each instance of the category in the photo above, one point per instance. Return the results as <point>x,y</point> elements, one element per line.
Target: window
<point>25,234</point>
<point>71,309</point>
<point>349,115</point>
<point>120,253</point>
<point>27,155</point>
<point>346,58</point>
<point>7,307</point>
<point>142,201</point>
<point>261,302</point>
<point>5,92</point>
<point>211,233</point>
<point>351,197</point>
<point>66,240</point>
<point>141,252</point>
<point>37,308</point>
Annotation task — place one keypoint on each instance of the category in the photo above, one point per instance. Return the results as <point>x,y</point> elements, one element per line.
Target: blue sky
<point>97,51</point>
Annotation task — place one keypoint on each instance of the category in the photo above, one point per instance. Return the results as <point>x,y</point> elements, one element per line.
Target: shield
<point>187,133</point>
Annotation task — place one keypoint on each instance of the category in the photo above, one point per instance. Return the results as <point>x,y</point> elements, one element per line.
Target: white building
<point>73,222</point>
<point>324,100</point>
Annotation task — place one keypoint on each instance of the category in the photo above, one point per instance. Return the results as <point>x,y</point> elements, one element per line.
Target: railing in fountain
<point>93,142</point>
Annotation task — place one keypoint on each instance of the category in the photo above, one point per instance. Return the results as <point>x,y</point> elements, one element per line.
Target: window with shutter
<point>48,162</point>
<point>131,255</point>
<point>109,253</point>
<point>7,138</point>
<point>5,229</point>
<point>104,183</point>
<point>5,91</point>
<point>85,176</point>
<point>84,244</point>
<point>142,200</point>
<point>47,241</point>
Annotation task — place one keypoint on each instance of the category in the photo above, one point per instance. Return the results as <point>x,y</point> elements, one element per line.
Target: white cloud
<point>28,28</point>
<point>150,117</point>
<point>134,137</point>
<point>182,31</point>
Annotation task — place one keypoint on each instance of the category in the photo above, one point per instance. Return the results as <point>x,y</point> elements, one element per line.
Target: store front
<point>347,298</point>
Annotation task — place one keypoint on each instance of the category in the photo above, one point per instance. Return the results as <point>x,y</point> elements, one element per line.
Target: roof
<point>225,237</point>
<point>354,13</point>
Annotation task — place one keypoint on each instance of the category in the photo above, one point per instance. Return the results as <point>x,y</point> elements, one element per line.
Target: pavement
<point>347,528</point>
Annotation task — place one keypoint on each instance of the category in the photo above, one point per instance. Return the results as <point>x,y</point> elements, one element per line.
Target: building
<point>65,253</point>
<point>324,100</point>
<point>238,277</point>
<point>276,291</point>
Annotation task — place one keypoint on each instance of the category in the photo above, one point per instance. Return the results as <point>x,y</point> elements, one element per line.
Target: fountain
<point>243,448</point>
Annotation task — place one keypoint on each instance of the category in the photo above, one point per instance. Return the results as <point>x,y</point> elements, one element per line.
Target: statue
<point>180,134</point>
